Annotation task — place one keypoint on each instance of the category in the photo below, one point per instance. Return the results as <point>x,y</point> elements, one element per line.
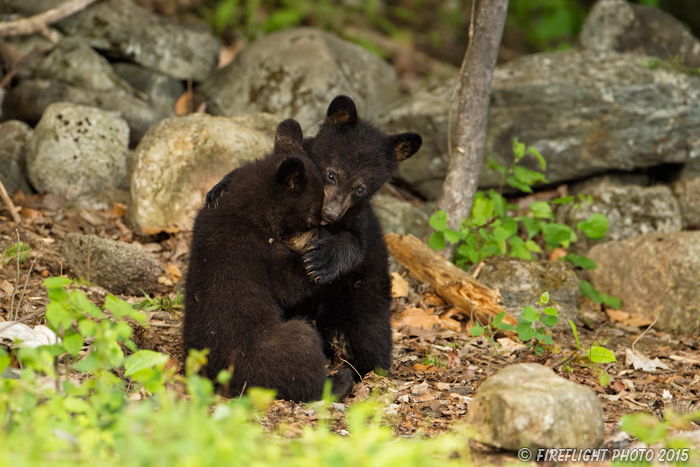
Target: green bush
<point>95,399</point>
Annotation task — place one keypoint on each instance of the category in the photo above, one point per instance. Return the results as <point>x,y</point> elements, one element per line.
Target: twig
<point>642,334</point>
<point>350,364</point>
<point>10,205</point>
<point>26,281</point>
<point>14,289</point>
<point>39,23</point>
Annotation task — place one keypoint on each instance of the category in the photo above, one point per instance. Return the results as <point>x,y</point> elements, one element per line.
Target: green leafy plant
<point>492,229</point>
<point>547,24</point>
<point>595,355</point>
<point>675,449</point>
<point>19,251</point>
<point>434,360</point>
<point>85,400</point>
<point>532,324</point>
<point>172,303</point>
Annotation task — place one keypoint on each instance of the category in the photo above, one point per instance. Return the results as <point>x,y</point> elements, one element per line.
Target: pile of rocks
<point>101,102</point>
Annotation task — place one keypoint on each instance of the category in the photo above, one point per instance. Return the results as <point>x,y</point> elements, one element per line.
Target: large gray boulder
<point>622,26</point>
<point>587,112</point>
<point>13,166</point>
<point>127,31</point>
<point>529,405</point>
<point>181,158</point>
<point>28,101</point>
<point>631,211</point>
<point>295,74</point>
<point>399,216</point>
<point>120,267</point>
<point>655,275</point>
<point>73,61</point>
<point>522,282</point>
<point>79,152</point>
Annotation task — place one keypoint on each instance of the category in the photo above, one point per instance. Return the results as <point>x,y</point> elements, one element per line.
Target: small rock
<point>78,152</point>
<point>622,26</point>
<point>631,211</point>
<point>655,275</point>
<point>399,216</point>
<point>121,268</point>
<point>181,158</point>
<point>295,73</point>
<point>74,62</point>
<point>19,335</point>
<point>13,166</point>
<point>687,192</point>
<point>522,282</point>
<point>527,404</point>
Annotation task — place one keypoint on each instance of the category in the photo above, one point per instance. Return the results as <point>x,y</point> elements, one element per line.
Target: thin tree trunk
<point>468,151</point>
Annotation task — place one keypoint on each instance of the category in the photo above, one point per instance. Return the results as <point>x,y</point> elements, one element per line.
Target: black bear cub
<point>350,257</point>
<point>242,275</point>
<point>349,260</point>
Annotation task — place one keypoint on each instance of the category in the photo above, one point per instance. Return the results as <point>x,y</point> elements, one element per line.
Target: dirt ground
<point>438,367</point>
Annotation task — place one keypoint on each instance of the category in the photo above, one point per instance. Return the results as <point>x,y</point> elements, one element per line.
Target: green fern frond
<point>10,253</point>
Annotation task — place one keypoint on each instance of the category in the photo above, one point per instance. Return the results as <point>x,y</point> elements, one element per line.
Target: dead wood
<point>451,283</point>
<point>39,23</point>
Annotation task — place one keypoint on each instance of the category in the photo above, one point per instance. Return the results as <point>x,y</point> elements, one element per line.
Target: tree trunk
<point>468,151</point>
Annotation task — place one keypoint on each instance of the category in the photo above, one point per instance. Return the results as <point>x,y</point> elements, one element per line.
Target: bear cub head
<point>282,193</point>
<point>355,158</point>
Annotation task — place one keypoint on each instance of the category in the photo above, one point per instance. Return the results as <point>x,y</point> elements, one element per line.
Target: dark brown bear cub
<point>350,258</point>
<point>242,275</point>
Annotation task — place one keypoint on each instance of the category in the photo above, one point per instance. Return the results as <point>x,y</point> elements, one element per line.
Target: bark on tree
<point>468,151</point>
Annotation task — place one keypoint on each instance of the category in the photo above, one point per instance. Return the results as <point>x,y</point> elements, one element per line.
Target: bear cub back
<point>242,274</point>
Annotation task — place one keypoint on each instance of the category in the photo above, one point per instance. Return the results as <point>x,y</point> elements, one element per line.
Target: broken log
<point>451,283</point>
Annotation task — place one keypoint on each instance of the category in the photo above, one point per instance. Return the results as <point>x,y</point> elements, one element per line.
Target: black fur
<point>241,276</point>
<point>350,256</point>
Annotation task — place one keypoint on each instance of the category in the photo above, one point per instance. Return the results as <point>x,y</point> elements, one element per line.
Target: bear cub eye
<point>359,191</point>
<point>331,176</point>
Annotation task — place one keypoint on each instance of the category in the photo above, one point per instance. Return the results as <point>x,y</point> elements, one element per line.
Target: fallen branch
<point>10,205</point>
<point>450,282</point>
<point>39,23</point>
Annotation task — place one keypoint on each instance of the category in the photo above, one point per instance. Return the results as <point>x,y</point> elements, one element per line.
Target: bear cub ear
<point>342,111</point>
<point>405,145</point>
<point>290,174</point>
<point>288,136</point>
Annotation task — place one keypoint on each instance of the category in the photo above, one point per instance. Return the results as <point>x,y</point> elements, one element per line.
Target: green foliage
<point>675,450</point>
<point>169,303</point>
<point>547,24</point>
<point>532,324</point>
<point>595,356</point>
<point>434,360</point>
<point>12,252</point>
<point>85,401</point>
<point>492,230</point>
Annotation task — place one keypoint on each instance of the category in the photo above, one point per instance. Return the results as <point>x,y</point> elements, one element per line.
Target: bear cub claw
<point>319,264</point>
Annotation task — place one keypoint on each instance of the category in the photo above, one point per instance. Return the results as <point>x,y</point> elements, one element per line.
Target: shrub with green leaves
<point>493,230</point>
<point>82,402</point>
<point>596,355</point>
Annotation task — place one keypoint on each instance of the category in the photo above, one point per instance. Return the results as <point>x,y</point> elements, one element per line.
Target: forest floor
<point>438,366</point>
